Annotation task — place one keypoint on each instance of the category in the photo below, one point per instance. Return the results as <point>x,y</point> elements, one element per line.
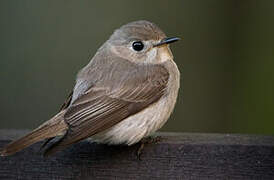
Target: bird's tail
<point>54,127</point>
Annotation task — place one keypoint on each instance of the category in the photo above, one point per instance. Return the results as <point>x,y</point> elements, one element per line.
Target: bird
<point>125,93</point>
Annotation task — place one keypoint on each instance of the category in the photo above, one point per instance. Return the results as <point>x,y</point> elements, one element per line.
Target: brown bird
<point>126,92</point>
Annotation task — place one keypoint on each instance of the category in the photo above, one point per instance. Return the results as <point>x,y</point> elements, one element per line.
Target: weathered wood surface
<point>176,156</point>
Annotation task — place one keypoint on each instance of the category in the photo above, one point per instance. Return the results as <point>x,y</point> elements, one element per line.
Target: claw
<point>148,140</point>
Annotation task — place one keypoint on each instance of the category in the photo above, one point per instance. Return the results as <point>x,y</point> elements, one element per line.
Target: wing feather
<point>106,104</point>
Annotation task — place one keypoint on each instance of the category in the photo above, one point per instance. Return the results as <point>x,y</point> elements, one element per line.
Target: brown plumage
<point>113,88</point>
<point>99,108</point>
<point>51,128</point>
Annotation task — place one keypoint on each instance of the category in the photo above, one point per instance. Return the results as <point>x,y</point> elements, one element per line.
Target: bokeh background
<point>226,58</point>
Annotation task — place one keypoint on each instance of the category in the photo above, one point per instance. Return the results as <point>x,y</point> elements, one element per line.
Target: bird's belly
<point>132,129</point>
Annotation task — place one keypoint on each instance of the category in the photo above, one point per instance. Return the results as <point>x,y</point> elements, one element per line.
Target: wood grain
<point>176,156</point>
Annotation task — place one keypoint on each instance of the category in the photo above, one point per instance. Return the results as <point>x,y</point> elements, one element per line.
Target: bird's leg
<point>144,141</point>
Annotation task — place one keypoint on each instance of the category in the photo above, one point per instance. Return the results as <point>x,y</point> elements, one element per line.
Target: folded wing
<point>109,102</point>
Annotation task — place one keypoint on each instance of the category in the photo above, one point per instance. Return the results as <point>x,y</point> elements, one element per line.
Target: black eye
<point>138,46</point>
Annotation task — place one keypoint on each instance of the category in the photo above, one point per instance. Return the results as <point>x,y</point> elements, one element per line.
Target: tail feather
<point>54,127</point>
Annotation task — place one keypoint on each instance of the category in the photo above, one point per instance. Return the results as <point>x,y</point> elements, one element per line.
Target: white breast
<point>142,124</point>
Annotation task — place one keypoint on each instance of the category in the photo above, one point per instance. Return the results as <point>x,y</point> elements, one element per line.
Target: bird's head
<point>141,42</point>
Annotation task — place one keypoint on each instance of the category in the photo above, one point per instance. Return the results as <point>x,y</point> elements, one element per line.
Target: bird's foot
<point>144,141</point>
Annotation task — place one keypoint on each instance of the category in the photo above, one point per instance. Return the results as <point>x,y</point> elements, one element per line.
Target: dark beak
<point>167,41</point>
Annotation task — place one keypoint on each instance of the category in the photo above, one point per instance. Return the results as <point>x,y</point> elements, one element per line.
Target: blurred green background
<point>226,58</point>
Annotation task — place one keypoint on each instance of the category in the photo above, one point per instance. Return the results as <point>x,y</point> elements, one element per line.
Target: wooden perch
<point>176,156</point>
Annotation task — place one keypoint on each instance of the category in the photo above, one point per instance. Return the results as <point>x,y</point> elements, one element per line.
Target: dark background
<point>226,58</point>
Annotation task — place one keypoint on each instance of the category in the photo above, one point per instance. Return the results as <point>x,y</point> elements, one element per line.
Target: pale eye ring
<point>138,45</point>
